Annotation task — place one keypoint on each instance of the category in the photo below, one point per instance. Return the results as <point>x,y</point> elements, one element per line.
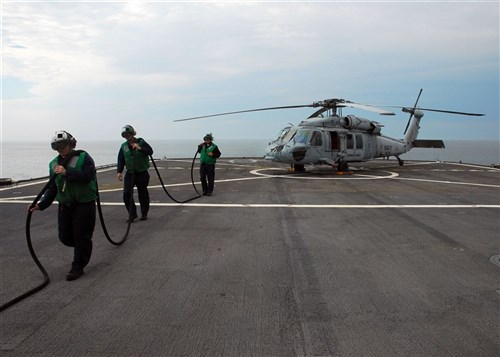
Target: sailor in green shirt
<point>134,155</point>
<point>209,153</point>
<point>73,184</point>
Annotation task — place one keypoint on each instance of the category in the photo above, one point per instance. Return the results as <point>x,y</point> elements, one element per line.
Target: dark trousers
<point>207,177</point>
<point>141,181</point>
<point>76,227</point>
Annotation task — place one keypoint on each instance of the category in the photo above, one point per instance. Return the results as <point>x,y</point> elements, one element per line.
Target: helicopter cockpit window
<point>282,133</point>
<point>316,139</point>
<point>302,136</point>
<point>289,135</point>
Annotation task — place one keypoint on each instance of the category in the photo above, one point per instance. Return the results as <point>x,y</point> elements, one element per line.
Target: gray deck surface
<point>389,261</point>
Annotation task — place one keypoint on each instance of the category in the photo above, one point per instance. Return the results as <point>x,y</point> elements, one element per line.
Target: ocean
<point>28,160</point>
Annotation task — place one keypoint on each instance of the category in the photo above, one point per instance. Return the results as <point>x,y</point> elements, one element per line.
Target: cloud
<point>108,63</point>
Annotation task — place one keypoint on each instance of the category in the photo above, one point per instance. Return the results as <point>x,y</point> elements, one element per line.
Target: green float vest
<point>138,162</point>
<point>69,193</point>
<point>204,158</point>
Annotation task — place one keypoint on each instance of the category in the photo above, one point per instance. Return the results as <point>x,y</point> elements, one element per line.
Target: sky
<point>92,67</point>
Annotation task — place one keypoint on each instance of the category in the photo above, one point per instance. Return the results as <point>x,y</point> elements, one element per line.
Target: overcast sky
<point>92,67</point>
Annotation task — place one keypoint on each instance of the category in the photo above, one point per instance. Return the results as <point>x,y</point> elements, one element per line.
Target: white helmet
<point>62,138</point>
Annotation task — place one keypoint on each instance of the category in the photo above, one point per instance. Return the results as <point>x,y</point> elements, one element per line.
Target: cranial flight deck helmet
<point>62,138</point>
<point>209,136</point>
<point>128,129</point>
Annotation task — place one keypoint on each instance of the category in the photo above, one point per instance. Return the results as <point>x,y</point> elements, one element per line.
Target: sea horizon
<point>29,159</point>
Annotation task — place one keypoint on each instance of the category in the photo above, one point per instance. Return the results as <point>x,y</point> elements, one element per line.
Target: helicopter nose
<point>286,153</point>
<point>272,151</point>
<point>277,152</point>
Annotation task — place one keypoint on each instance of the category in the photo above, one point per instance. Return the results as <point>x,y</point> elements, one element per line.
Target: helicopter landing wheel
<point>343,166</point>
<point>401,162</point>
<point>298,168</point>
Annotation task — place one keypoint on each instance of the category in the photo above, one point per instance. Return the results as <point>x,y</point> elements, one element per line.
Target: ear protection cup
<point>71,140</point>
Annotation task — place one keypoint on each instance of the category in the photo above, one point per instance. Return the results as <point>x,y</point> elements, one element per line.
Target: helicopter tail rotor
<point>414,109</point>
<point>411,111</point>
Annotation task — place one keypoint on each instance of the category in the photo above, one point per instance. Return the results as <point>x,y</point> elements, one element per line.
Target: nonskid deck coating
<point>388,261</point>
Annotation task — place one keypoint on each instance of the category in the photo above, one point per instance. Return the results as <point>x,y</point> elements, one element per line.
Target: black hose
<point>101,218</point>
<point>192,181</point>
<point>32,252</point>
<point>99,208</point>
<point>130,216</point>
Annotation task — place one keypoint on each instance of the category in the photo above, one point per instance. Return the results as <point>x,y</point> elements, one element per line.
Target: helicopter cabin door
<point>335,145</point>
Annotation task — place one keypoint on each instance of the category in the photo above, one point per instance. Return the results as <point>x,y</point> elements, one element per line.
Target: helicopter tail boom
<point>413,126</point>
<point>412,133</point>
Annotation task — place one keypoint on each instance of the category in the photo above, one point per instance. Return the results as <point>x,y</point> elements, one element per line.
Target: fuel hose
<point>103,225</point>
<point>32,252</point>
<point>192,182</point>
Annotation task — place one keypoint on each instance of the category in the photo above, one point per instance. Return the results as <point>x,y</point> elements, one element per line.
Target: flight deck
<point>386,260</point>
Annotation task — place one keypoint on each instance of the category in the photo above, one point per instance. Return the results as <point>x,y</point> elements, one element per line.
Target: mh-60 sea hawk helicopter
<point>327,137</point>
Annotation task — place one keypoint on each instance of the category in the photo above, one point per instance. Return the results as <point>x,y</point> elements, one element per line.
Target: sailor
<point>209,153</point>
<point>134,155</point>
<point>73,184</point>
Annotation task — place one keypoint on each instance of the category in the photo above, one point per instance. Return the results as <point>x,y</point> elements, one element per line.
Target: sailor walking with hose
<point>209,153</point>
<point>134,155</point>
<point>73,185</point>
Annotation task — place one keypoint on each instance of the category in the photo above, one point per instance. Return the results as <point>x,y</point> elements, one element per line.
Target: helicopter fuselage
<point>333,140</point>
<point>327,137</point>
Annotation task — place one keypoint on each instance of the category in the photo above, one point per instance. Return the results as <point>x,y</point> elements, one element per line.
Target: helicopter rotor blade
<point>247,111</point>
<point>412,109</point>
<point>324,106</point>
<point>340,103</point>
<point>365,107</point>
<point>336,103</point>
<point>447,111</point>
<point>318,112</point>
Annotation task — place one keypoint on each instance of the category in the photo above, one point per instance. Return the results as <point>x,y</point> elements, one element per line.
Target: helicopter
<point>328,137</point>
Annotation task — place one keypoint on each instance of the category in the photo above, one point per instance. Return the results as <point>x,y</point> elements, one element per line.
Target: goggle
<point>59,145</point>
